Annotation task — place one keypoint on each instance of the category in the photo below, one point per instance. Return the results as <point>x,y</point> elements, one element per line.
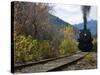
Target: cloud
<point>72,13</point>
<point>93,13</point>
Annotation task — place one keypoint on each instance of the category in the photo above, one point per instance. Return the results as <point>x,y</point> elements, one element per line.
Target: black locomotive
<point>85,40</point>
<point>85,37</point>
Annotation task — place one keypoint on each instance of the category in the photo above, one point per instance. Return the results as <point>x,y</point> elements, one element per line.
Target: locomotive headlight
<point>85,34</point>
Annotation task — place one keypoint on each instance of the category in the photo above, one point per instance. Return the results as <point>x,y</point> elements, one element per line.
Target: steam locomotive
<point>85,41</point>
<point>85,37</point>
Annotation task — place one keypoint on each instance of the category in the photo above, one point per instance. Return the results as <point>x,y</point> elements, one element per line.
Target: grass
<point>90,59</point>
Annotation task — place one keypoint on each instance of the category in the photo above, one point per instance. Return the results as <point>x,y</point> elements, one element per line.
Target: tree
<point>34,19</point>
<point>31,19</point>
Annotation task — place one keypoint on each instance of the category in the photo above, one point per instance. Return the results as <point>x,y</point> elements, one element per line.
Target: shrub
<point>25,49</point>
<point>94,46</point>
<point>46,49</point>
<point>68,45</point>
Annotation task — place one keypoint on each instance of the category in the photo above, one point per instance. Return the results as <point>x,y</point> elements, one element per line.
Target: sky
<point>72,13</point>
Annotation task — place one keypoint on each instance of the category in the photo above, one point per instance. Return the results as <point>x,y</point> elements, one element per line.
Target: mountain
<point>91,25</point>
<point>57,21</point>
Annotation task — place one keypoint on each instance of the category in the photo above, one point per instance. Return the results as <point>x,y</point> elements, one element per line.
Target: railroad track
<point>53,64</point>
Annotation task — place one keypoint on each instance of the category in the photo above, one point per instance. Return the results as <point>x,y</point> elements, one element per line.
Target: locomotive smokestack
<point>85,11</point>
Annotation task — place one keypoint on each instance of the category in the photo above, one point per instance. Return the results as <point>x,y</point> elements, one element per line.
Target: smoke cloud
<point>85,10</point>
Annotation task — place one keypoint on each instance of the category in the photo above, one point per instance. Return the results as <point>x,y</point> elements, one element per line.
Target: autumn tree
<point>31,18</point>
